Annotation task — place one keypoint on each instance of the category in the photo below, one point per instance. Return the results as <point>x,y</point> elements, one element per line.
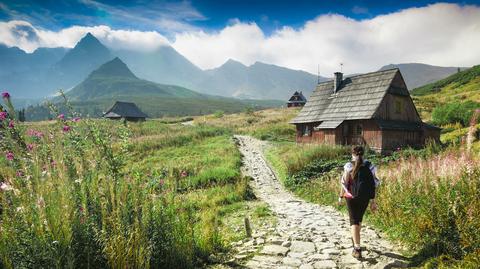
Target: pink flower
<point>66,128</point>
<point>5,187</point>
<point>76,119</point>
<point>5,95</point>
<point>34,133</point>
<point>61,117</point>
<point>19,173</point>
<point>184,174</point>
<point>11,124</point>
<point>30,147</point>
<point>9,156</point>
<point>3,115</point>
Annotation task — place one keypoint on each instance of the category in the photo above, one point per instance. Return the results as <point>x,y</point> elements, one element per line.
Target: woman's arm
<point>373,203</point>
<point>342,184</point>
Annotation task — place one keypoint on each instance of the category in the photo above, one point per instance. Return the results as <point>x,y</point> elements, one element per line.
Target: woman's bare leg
<point>356,234</point>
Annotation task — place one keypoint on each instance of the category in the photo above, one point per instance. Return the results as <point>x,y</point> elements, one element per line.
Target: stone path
<point>307,235</point>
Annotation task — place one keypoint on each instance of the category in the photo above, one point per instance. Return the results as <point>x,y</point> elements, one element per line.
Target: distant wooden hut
<point>373,109</point>
<point>297,100</point>
<point>125,110</point>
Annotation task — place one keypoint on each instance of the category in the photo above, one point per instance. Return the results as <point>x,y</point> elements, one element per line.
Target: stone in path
<point>308,236</point>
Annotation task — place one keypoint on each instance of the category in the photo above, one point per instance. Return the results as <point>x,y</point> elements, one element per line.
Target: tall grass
<point>428,200</point>
<point>72,198</point>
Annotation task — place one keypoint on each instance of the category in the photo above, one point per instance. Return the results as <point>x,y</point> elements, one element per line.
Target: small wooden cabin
<point>125,110</point>
<point>297,100</point>
<point>373,109</point>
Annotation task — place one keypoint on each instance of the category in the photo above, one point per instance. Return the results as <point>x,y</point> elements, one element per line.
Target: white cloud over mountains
<point>440,34</point>
<point>27,37</point>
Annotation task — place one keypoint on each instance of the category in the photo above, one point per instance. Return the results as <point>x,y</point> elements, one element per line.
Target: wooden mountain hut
<point>125,110</point>
<point>297,100</point>
<point>373,109</point>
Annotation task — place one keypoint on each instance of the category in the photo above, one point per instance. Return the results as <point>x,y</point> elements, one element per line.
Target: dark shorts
<point>356,210</point>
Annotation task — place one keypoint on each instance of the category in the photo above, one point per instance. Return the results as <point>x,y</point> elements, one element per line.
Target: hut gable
<point>126,110</point>
<point>297,99</point>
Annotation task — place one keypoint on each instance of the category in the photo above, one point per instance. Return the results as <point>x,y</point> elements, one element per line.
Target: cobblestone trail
<point>307,235</point>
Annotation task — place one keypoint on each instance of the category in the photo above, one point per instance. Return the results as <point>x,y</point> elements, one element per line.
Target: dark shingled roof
<point>357,98</point>
<point>124,110</point>
<point>301,98</point>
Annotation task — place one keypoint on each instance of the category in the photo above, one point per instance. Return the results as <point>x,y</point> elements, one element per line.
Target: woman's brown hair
<point>358,152</point>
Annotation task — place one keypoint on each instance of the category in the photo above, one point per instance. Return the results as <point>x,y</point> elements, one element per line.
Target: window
<point>398,105</point>
<point>306,130</point>
<point>359,129</point>
<point>345,129</point>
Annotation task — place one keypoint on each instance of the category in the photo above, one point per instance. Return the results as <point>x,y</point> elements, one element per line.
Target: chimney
<point>337,81</point>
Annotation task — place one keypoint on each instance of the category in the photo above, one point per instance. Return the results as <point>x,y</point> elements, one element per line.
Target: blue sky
<point>209,15</point>
<point>363,35</point>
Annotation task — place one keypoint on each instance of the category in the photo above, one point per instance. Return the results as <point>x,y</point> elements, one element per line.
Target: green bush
<point>218,114</point>
<point>456,112</point>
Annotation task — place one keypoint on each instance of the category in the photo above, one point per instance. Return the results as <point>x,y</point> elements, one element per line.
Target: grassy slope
<point>461,86</point>
<point>213,185</point>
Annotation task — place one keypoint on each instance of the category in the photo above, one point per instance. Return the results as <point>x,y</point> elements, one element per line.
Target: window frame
<point>306,130</point>
<point>359,126</point>
<point>397,105</point>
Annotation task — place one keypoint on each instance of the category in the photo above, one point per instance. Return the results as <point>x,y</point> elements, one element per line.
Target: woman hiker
<point>358,187</point>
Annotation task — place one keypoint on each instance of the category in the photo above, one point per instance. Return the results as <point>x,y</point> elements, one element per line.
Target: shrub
<point>218,114</point>
<point>456,112</point>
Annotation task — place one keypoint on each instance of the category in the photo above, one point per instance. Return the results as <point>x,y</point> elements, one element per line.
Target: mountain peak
<point>232,62</point>
<point>113,68</point>
<point>89,42</point>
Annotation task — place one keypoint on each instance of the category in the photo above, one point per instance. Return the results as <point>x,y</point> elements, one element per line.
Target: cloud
<point>439,34</point>
<point>162,15</point>
<point>359,10</point>
<point>27,37</point>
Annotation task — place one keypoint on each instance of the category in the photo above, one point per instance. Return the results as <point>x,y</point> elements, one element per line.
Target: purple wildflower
<point>76,119</point>
<point>61,116</point>
<point>19,173</point>
<point>34,133</point>
<point>30,147</point>
<point>5,95</point>
<point>3,115</point>
<point>66,128</point>
<point>10,156</point>
<point>184,174</point>
<point>11,124</point>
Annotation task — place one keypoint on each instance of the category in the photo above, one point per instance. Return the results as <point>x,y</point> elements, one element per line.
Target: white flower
<point>5,187</point>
